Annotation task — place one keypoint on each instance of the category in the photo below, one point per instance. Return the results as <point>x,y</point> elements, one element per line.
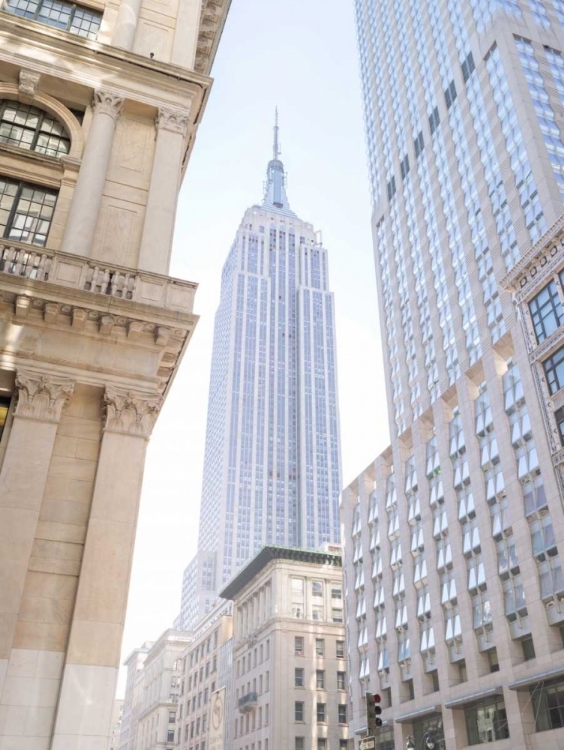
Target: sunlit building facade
<point>454,534</point>
<point>272,463</point>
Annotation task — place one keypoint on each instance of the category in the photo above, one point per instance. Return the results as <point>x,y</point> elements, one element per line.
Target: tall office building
<point>99,108</point>
<point>455,533</point>
<point>272,464</point>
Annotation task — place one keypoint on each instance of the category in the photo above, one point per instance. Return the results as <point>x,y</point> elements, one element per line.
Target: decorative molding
<point>540,262</point>
<point>28,83</point>
<point>107,102</point>
<point>174,120</point>
<point>41,395</point>
<point>131,412</point>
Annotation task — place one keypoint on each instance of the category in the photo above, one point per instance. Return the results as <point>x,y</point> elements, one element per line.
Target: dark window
<point>298,677</point>
<point>468,67</point>
<point>66,16</point>
<point>299,711</point>
<point>342,713</point>
<point>493,660</point>
<point>404,166</point>
<point>340,649</point>
<point>343,744</point>
<point>320,647</point>
<point>25,211</point>
<point>559,416</point>
<point>554,371</point>
<point>299,743</point>
<point>450,94</point>
<point>320,679</point>
<point>321,743</point>
<point>321,711</point>
<point>462,673</point>
<point>391,188</point>
<point>32,129</point>
<point>4,409</point>
<point>528,649</point>
<point>341,681</point>
<point>435,678</point>
<point>546,311</point>
<point>434,120</point>
<point>487,723</point>
<point>419,144</point>
<point>298,646</point>
<point>170,735</point>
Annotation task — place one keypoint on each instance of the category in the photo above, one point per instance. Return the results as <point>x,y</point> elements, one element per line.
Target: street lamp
<point>427,742</point>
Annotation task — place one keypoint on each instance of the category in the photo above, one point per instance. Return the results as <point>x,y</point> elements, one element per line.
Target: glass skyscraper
<point>454,534</point>
<point>272,462</point>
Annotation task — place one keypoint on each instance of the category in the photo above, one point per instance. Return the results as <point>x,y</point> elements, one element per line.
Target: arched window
<point>31,128</point>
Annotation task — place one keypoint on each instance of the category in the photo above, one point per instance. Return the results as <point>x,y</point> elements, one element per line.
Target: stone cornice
<point>131,412</point>
<point>212,20</point>
<point>41,395</point>
<point>538,264</point>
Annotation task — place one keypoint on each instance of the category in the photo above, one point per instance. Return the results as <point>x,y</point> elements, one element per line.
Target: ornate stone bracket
<point>131,412</point>
<point>175,120</point>
<point>107,102</point>
<point>28,83</point>
<point>41,395</point>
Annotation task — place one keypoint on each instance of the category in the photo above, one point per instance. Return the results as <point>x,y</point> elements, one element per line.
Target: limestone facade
<point>289,661</point>
<point>99,106</point>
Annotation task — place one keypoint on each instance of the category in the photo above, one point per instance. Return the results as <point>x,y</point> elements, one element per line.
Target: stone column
<point>87,197</point>
<point>186,33</point>
<point>156,242</point>
<point>126,24</point>
<point>41,398</point>
<point>93,655</point>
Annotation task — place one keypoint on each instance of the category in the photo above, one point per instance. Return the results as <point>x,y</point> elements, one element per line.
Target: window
<point>546,311</point>
<point>171,717</point>
<point>486,723</point>
<point>26,211</point>
<point>4,409</point>
<point>419,144</point>
<point>450,94</point>
<point>299,711</point>
<point>321,743</point>
<point>341,681</point>
<point>320,647</point>
<point>528,649</point>
<point>321,712</point>
<point>298,677</point>
<point>468,67</point>
<point>298,646</point>
<point>404,167</point>
<point>299,743</point>
<point>62,15</point>
<point>554,370</point>
<point>317,588</point>
<point>391,188</point>
<point>32,129</point>
<point>343,744</point>
<point>320,679</point>
<point>340,649</point>
<point>548,705</point>
<point>434,120</point>
<point>170,735</point>
<point>559,417</point>
<point>342,713</point>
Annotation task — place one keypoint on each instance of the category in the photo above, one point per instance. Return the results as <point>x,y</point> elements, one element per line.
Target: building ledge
<point>466,701</point>
<point>525,682</point>
<point>409,717</point>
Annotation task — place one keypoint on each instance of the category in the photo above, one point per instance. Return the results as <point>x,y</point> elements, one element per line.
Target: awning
<point>473,698</point>
<point>404,718</point>
<point>526,682</point>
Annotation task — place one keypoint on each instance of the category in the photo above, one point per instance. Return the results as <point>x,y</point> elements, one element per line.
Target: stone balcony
<point>248,702</point>
<point>87,274</point>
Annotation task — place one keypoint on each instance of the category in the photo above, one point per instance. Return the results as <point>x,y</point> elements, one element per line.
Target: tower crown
<point>275,188</point>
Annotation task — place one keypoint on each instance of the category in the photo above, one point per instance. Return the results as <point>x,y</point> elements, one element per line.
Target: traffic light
<point>373,711</point>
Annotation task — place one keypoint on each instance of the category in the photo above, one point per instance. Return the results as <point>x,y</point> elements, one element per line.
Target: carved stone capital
<point>107,102</point>
<point>28,83</point>
<point>131,412</point>
<point>41,395</point>
<point>175,120</point>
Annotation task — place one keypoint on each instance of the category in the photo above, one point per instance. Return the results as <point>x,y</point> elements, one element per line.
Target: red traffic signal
<point>377,709</point>
<point>373,711</point>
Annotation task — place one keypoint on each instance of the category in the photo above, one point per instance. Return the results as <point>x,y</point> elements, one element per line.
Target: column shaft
<point>87,197</point>
<point>126,24</point>
<point>158,229</point>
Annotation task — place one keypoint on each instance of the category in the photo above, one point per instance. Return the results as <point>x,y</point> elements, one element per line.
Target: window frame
<point>73,8</point>
<point>13,213</point>
<point>551,367</point>
<point>550,309</point>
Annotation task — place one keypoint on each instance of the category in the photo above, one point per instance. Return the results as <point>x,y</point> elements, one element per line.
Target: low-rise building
<point>201,677</point>
<point>289,674</point>
<point>153,693</point>
<point>115,726</point>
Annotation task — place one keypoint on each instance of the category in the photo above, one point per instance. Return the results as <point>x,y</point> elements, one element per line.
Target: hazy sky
<point>299,55</point>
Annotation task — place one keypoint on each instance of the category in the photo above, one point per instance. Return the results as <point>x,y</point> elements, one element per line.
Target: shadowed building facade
<point>99,107</point>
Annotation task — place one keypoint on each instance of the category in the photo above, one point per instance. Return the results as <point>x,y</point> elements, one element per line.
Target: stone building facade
<point>201,677</point>
<point>99,107</point>
<point>289,673</point>
<point>454,535</point>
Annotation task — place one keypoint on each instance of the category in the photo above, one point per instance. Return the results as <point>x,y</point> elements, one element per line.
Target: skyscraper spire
<point>275,188</point>
<point>276,146</point>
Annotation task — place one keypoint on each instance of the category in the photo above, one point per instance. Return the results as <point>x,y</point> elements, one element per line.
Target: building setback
<point>454,534</point>
<point>99,108</point>
<point>272,462</point>
<point>289,676</point>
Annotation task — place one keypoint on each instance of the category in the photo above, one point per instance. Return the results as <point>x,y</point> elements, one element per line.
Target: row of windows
<point>59,14</point>
<point>320,712</point>
<point>320,682</point>
<point>299,648</point>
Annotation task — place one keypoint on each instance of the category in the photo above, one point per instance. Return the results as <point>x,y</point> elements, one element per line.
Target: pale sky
<point>299,55</point>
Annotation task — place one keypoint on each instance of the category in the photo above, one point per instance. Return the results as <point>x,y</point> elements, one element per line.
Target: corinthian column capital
<point>107,102</point>
<point>131,412</point>
<point>41,395</point>
<point>175,120</point>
